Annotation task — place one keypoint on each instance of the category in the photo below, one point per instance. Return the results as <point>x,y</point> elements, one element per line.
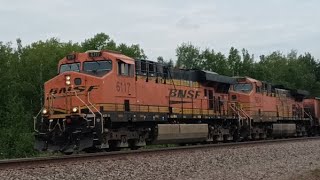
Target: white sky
<point>160,26</point>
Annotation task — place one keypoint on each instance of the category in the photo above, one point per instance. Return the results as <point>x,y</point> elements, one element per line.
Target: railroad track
<point>39,162</point>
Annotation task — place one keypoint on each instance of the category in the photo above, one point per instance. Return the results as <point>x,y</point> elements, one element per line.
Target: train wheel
<point>262,136</point>
<point>226,138</point>
<point>92,150</point>
<point>134,147</point>
<point>236,136</point>
<point>254,137</point>
<point>67,153</point>
<point>113,146</point>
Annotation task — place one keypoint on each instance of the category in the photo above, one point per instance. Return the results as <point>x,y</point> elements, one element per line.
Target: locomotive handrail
<point>35,120</point>
<point>235,111</point>
<point>242,111</point>
<point>239,110</point>
<point>102,121</point>
<point>94,116</point>
<point>308,115</point>
<point>304,112</point>
<point>57,124</point>
<point>50,102</point>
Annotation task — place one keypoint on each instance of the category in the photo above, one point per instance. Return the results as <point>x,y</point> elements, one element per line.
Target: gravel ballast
<point>267,161</point>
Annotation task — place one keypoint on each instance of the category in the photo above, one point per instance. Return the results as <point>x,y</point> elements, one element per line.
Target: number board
<point>94,54</point>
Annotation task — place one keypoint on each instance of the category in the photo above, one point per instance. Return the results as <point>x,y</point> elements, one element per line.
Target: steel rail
<point>22,163</point>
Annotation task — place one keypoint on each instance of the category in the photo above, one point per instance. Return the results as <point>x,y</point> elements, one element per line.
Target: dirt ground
<point>310,175</point>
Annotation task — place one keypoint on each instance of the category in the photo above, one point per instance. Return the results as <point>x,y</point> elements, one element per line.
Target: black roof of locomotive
<point>160,69</point>
<point>215,77</point>
<point>300,92</point>
<point>200,76</point>
<point>293,92</point>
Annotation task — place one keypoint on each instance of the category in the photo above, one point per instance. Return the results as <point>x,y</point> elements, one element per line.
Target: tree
<point>188,56</point>
<point>133,51</point>
<point>169,63</point>
<point>160,60</point>
<point>215,62</point>
<point>247,67</point>
<point>102,41</point>
<point>234,62</point>
<point>98,42</point>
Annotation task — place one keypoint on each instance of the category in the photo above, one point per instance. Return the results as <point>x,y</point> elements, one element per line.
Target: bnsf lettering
<point>53,91</point>
<point>63,90</point>
<point>80,88</point>
<point>77,89</point>
<point>184,93</point>
<point>92,88</point>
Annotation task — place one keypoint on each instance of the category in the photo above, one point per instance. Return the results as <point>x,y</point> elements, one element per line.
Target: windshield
<point>69,67</point>
<point>97,66</point>
<point>242,87</point>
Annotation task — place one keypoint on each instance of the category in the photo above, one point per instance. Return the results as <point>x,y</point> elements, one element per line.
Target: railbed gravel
<point>263,161</point>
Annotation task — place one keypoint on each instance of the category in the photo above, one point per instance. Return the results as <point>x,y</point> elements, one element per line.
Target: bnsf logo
<point>69,89</point>
<point>184,93</point>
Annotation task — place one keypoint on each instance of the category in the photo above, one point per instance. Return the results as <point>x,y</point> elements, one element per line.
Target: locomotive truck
<point>104,100</point>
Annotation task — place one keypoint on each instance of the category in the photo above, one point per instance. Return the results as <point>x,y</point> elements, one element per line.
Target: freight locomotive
<point>104,100</point>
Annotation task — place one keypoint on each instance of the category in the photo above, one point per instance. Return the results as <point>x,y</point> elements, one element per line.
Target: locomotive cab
<point>254,97</point>
<point>241,91</point>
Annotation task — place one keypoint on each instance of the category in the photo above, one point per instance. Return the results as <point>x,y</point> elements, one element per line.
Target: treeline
<point>25,68</point>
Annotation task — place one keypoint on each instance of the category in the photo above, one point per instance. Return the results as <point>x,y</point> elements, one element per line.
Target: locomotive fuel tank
<point>279,130</point>
<point>179,133</point>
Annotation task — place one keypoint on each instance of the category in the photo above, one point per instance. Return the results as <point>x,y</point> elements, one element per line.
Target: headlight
<point>44,111</point>
<point>68,78</point>
<point>75,109</point>
<point>68,82</point>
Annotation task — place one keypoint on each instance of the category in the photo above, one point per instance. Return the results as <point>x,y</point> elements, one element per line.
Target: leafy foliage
<point>169,62</point>
<point>102,41</point>
<point>188,56</point>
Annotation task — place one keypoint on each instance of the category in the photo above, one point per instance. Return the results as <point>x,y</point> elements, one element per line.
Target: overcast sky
<point>160,26</point>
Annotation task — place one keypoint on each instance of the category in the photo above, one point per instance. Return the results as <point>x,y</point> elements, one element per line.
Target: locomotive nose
<point>68,92</point>
<point>67,100</point>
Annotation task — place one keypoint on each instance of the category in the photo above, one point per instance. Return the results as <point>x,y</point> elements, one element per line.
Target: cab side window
<point>125,69</point>
<point>258,89</point>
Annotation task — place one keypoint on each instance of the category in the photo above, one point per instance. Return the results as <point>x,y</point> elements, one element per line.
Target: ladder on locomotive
<point>306,115</point>
<point>240,114</point>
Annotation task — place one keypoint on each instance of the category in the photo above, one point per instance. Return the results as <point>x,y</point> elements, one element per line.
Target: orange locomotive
<point>271,110</point>
<point>106,100</point>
